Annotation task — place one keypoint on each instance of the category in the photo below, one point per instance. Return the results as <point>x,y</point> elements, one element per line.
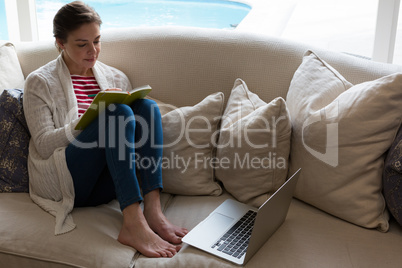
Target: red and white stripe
<point>84,86</point>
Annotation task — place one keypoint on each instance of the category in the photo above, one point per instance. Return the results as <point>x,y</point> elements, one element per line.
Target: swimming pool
<point>124,13</point>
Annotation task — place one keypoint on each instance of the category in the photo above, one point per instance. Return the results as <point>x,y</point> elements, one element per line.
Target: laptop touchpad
<point>217,224</point>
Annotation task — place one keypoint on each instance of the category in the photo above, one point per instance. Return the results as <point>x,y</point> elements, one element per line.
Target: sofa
<point>231,80</point>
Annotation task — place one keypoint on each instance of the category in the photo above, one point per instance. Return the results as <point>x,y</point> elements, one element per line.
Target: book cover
<point>104,98</point>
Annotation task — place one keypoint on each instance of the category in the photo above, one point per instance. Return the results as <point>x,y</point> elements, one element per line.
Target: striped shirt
<point>84,86</point>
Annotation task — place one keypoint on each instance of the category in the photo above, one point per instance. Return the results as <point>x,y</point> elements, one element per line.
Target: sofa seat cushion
<point>308,238</point>
<point>27,236</point>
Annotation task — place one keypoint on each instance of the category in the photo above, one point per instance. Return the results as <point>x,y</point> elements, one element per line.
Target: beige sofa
<point>184,66</point>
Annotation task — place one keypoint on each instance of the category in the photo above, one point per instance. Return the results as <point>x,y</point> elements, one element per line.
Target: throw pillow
<point>164,108</point>
<point>392,178</point>
<point>254,144</point>
<point>14,141</point>
<point>11,75</point>
<point>340,135</point>
<point>189,137</point>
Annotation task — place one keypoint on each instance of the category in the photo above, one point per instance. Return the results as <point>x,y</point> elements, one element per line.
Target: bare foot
<point>160,225</point>
<point>136,233</point>
<point>158,222</point>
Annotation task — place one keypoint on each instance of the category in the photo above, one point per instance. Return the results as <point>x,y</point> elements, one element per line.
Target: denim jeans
<point>103,159</point>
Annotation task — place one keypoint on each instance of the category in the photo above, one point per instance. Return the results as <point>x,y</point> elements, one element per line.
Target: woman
<point>70,168</point>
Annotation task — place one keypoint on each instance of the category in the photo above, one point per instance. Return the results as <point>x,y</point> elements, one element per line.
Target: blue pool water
<point>201,13</point>
<point>125,13</point>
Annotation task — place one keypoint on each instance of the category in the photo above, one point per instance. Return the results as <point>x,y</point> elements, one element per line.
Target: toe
<point>182,232</point>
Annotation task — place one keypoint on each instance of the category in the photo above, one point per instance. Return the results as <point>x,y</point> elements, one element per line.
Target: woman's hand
<point>113,89</point>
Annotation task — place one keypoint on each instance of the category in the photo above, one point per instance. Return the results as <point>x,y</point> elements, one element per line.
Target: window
<point>366,28</point>
<point>3,21</point>
<point>46,10</point>
<point>397,59</point>
<point>340,25</point>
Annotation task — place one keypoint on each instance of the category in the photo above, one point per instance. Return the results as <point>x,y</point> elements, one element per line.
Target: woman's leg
<point>120,145</point>
<point>97,163</point>
<point>93,184</point>
<point>149,142</point>
<point>150,136</point>
<point>88,159</point>
<point>114,156</point>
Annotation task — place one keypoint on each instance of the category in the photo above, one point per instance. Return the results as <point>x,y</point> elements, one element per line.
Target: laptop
<point>235,231</point>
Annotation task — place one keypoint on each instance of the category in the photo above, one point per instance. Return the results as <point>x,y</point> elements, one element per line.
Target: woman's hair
<point>71,17</point>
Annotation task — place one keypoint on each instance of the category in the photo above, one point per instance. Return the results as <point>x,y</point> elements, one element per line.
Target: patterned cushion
<point>14,140</point>
<point>392,178</point>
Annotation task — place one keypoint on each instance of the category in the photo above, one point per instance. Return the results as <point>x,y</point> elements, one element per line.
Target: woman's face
<point>82,48</point>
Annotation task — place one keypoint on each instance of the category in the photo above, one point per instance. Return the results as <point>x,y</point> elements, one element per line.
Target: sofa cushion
<point>340,135</point>
<point>14,142</point>
<point>392,178</point>
<point>11,75</point>
<point>27,233</point>
<point>189,136</point>
<point>308,238</point>
<point>164,108</point>
<point>254,144</point>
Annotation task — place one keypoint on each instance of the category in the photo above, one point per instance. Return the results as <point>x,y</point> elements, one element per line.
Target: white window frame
<point>385,33</point>
<point>22,25</point>
<point>21,20</point>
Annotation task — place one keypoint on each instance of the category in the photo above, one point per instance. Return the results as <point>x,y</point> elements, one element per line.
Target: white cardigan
<point>51,111</point>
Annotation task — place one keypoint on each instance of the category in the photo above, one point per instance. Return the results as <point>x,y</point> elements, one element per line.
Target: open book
<point>104,98</point>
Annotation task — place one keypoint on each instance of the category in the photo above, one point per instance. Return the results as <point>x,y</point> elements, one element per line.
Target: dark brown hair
<point>71,17</point>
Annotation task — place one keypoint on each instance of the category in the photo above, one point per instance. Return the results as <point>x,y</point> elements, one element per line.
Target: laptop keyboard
<point>235,241</point>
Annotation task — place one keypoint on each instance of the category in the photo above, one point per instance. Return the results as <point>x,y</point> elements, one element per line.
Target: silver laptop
<point>235,231</point>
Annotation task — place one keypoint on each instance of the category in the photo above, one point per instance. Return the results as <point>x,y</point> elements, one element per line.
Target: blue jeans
<point>103,159</point>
